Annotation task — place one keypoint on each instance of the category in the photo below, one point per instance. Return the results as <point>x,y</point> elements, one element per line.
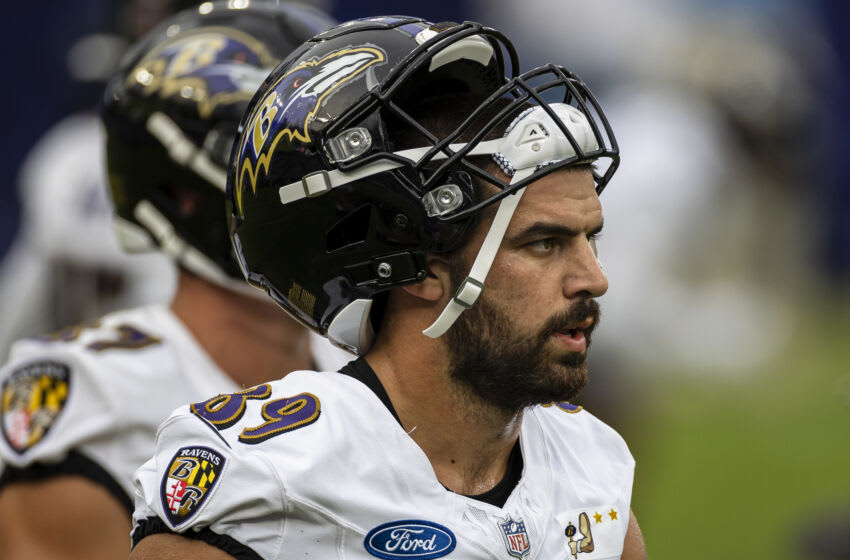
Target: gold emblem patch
<point>594,532</point>
<point>32,398</point>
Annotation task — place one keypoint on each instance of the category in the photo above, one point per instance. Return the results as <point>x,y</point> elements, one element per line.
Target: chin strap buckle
<point>468,292</point>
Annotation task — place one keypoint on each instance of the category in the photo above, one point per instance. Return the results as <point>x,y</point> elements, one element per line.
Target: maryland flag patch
<point>188,481</point>
<point>33,396</point>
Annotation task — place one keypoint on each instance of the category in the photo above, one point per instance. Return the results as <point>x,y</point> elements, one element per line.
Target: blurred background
<point>723,355</point>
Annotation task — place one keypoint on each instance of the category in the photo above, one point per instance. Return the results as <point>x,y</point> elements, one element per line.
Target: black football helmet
<point>171,114</point>
<point>340,183</point>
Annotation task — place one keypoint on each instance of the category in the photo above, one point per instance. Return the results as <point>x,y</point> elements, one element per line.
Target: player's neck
<point>467,441</point>
<point>250,340</point>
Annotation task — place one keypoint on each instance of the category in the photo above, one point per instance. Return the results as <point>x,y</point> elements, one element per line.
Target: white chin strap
<point>471,288</point>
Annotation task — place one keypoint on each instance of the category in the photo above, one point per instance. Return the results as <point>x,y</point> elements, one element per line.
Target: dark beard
<point>493,362</point>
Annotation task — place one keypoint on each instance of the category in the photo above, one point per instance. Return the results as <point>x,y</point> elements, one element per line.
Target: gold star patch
<point>613,514</point>
<point>597,517</point>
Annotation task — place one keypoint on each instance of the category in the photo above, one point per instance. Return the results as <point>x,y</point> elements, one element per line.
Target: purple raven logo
<point>292,103</point>
<point>208,66</point>
<point>304,87</point>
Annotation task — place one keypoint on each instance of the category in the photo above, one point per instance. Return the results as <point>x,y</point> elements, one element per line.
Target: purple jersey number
<point>284,415</point>
<point>281,415</point>
<point>129,337</point>
<point>225,410</point>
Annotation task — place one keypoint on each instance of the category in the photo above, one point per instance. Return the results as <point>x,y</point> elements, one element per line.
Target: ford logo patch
<point>410,538</point>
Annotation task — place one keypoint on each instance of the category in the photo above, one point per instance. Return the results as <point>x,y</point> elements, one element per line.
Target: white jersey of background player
<point>79,408</point>
<point>452,441</point>
<point>87,400</point>
<point>65,265</point>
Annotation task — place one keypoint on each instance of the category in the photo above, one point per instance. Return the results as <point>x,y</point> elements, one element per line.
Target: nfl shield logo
<point>516,537</point>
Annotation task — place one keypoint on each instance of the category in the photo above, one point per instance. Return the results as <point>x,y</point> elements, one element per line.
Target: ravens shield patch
<point>33,396</point>
<point>188,481</point>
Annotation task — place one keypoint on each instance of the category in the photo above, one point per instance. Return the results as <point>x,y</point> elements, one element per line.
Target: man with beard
<point>487,353</point>
<point>383,173</point>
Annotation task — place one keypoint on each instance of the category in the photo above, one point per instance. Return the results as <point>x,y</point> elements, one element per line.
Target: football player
<point>80,407</point>
<point>400,188</point>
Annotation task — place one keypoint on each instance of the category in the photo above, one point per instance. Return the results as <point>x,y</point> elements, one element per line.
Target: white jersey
<point>88,400</point>
<point>316,466</point>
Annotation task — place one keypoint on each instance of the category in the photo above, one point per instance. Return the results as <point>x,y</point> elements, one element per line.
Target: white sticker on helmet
<point>535,140</point>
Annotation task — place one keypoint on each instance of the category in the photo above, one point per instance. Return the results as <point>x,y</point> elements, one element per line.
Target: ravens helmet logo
<point>294,101</point>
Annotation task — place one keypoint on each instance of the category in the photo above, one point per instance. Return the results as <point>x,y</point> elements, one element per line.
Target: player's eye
<point>543,245</point>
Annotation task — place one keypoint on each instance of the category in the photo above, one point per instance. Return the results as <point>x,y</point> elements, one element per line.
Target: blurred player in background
<point>65,265</point>
<point>399,189</point>
<point>80,407</point>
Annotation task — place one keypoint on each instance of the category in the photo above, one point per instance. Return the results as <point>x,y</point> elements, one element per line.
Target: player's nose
<point>585,277</point>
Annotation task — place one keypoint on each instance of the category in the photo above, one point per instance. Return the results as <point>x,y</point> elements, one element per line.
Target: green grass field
<point>747,468</point>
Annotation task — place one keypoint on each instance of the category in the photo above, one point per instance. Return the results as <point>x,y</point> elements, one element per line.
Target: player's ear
<point>437,282</point>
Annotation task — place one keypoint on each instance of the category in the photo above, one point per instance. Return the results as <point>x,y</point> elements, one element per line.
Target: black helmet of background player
<point>331,206</point>
<point>171,113</point>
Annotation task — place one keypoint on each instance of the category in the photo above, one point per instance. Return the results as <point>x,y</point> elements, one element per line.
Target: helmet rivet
<point>442,200</point>
<point>348,145</point>
<point>384,270</point>
<point>354,139</point>
<point>535,147</point>
<point>400,221</point>
<point>446,197</point>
